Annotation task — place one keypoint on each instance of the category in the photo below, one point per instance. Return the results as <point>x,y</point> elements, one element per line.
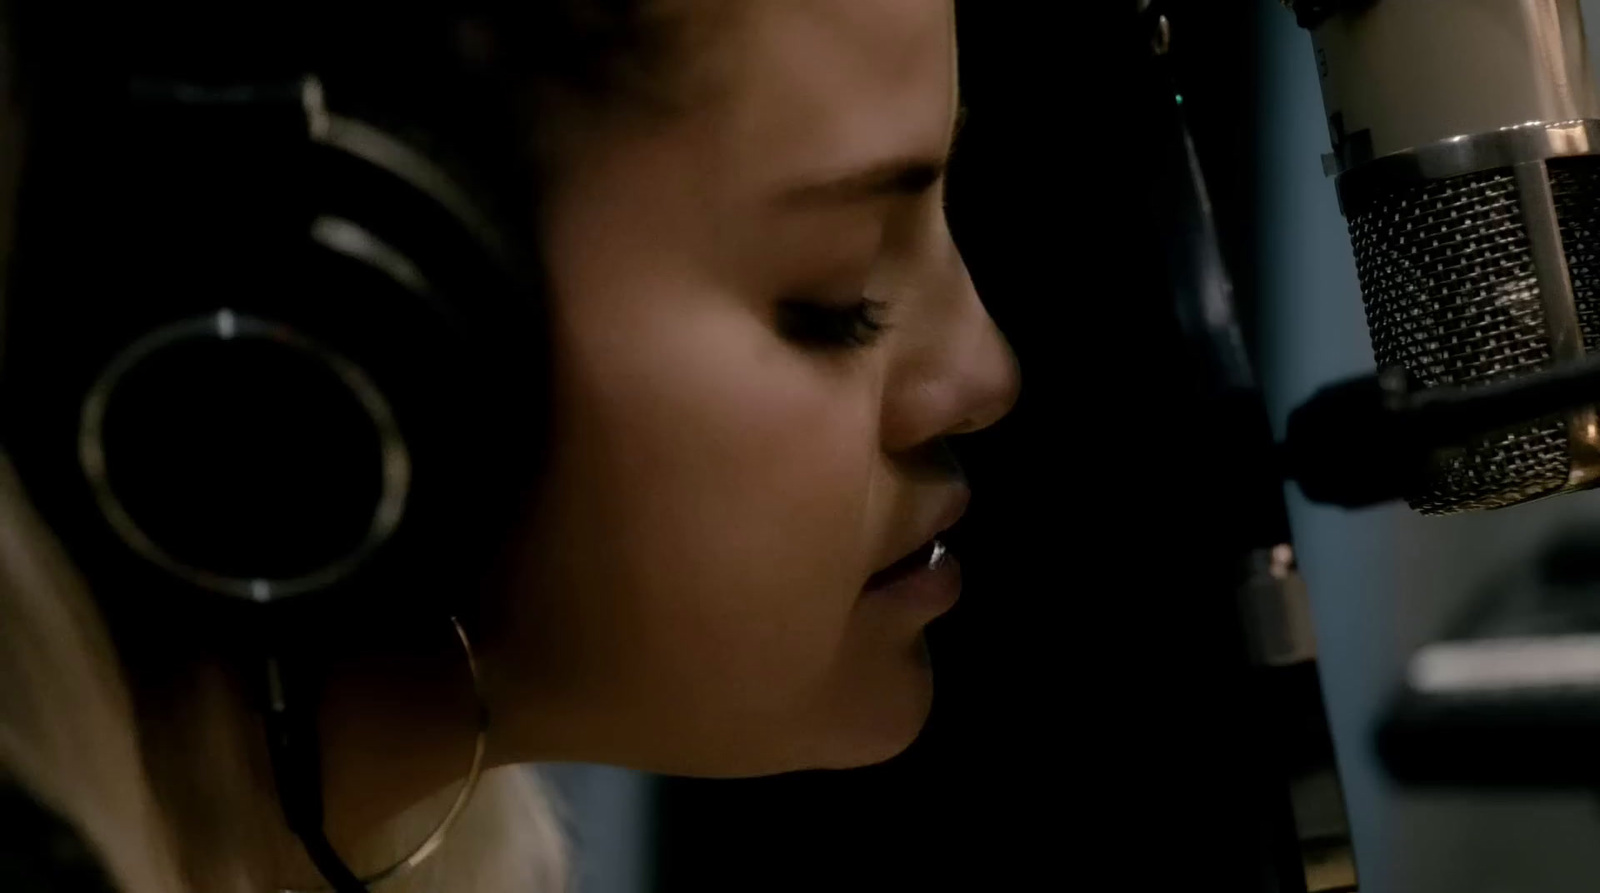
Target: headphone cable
<point>296,767</point>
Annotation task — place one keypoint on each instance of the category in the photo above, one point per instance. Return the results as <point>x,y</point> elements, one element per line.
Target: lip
<point>954,506</point>
<point>927,591</point>
<point>932,591</point>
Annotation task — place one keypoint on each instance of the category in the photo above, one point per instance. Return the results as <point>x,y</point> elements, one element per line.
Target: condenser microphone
<point>1466,151</point>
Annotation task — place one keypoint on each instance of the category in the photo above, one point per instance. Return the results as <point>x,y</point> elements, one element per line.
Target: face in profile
<point>763,335</point>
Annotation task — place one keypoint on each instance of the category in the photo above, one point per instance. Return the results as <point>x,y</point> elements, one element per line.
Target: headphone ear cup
<point>242,457</point>
<point>320,375</point>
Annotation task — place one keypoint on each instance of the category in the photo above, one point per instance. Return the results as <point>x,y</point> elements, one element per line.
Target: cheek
<point>730,478</point>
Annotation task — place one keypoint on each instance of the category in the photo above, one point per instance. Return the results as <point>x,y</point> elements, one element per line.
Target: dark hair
<point>486,86</point>
<point>471,82</point>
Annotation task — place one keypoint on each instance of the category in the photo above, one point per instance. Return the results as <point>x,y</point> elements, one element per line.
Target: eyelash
<point>825,326</point>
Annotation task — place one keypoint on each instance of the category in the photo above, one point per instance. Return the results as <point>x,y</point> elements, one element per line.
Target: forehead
<point>812,84</point>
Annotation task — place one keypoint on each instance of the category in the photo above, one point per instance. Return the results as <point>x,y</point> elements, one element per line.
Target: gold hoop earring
<point>431,843</point>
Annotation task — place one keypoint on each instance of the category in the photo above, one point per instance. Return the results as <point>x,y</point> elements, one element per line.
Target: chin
<point>876,729</point>
<point>871,753</point>
<point>875,713</point>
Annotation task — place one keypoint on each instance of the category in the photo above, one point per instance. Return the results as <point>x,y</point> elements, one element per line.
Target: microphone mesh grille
<point>1575,183</point>
<point>1451,295</point>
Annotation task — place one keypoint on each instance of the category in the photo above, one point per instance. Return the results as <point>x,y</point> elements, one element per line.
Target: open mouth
<point>928,556</point>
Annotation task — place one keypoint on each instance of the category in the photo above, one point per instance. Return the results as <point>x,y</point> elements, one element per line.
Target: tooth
<point>936,557</point>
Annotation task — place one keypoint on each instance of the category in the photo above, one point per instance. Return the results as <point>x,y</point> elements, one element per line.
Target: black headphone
<point>266,363</point>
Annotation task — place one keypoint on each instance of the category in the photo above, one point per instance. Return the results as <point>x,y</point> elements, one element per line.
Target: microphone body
<point>1466,146</point>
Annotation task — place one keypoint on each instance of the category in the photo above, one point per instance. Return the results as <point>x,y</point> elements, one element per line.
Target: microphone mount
<point>1362,441</point>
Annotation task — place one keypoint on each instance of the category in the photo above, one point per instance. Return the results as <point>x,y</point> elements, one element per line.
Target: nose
<point>959,374</point>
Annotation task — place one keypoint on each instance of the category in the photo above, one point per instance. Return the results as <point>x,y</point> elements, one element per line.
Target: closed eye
<point>823,326</point>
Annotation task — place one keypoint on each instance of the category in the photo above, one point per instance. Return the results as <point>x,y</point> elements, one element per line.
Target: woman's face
<point>762,334</point>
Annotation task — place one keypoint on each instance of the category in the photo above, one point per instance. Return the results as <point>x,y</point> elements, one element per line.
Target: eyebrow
<point>903,177</point>
<point>895,178</point>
